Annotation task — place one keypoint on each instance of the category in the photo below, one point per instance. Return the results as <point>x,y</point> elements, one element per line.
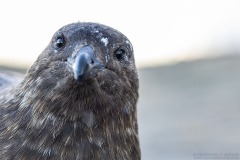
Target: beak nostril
<point>92,61</point>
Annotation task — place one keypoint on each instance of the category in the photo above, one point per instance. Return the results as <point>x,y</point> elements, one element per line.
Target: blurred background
<point>187,53</point>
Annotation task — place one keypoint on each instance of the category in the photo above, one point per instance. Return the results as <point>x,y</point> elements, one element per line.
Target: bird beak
<point>85,65</point>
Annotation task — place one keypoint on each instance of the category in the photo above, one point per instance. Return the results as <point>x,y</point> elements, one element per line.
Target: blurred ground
<point>190,108</point>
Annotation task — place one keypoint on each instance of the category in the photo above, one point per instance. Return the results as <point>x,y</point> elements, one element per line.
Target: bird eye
<point>59,42</point>
<point>121,54</point>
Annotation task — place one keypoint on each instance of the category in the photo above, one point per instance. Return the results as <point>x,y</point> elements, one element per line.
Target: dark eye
<point>121,54</point>
<point>59,42</point>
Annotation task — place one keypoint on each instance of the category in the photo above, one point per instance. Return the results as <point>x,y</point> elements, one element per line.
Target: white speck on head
<point>96,31</point>
<point>107,57</point>
<point>129,44</point>
<point>104,40</point>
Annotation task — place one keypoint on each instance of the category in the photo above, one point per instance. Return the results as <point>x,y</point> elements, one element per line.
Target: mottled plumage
<point>76,102</point>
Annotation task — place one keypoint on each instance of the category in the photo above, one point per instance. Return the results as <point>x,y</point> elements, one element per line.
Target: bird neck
<point>101,129</point>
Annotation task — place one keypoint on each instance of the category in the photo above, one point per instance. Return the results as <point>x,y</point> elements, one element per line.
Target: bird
<point>78,101</point>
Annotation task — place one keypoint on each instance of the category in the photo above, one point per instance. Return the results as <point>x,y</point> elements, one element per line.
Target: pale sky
<point>160,31</point>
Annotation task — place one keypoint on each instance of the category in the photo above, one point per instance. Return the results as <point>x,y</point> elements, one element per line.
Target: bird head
<point>84,62</point>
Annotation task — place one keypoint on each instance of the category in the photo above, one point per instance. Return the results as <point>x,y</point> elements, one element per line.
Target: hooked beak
<point>85,65</point>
